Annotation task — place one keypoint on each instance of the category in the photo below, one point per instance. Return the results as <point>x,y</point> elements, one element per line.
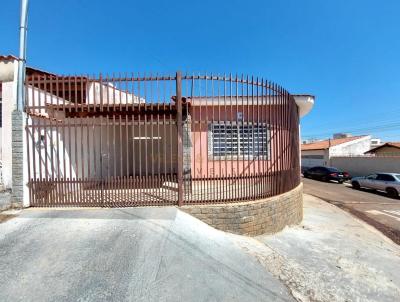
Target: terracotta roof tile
<point>325,144</point>
<point>388,144</point>
<point>8,58</point>
<point>394,144</point>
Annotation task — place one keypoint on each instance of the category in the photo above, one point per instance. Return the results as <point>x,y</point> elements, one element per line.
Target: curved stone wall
<point>252,218</point>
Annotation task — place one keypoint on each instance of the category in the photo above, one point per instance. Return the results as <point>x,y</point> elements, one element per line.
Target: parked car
<point>326,174</point>
<point>387,182</point>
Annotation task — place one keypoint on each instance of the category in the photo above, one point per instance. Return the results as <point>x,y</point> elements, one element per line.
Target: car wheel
<point>355,185</point>
<point>392,192</point>
<point>340,181</point>
<point>324,178</point>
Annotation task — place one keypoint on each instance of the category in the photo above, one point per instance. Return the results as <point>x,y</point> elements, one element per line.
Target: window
<point>238,140</point>
<point>385,177</point>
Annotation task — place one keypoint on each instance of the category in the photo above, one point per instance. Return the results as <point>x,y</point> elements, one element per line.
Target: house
<point>375,142</point>
<point>387,149</point>
<point>319,153</point>
<point>154,140</point>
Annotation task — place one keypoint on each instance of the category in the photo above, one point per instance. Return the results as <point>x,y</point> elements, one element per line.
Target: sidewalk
<point>331,256</point>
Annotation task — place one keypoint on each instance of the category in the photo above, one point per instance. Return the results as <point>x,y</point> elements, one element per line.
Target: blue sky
<point>344,52</point>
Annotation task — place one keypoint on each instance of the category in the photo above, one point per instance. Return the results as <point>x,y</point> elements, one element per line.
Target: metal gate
<point>132,140</point>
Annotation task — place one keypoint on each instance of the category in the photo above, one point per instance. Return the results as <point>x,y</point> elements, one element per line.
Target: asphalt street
<point>373,207</point>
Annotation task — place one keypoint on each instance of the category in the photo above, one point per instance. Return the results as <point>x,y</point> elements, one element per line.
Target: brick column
<point>19,190</point>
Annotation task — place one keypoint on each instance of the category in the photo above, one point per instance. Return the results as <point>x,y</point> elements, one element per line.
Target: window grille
<point>239,140</point>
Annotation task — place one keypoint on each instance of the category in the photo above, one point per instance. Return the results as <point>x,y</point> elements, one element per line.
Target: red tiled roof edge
<point>326,144</point>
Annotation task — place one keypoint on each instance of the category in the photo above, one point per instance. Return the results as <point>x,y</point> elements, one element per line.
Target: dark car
<point>326,174</point>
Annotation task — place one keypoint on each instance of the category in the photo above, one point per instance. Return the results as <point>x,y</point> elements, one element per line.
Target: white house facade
<point>320,153</point>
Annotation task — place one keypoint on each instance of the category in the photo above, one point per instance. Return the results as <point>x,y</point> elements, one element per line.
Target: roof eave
<point>305,103</point>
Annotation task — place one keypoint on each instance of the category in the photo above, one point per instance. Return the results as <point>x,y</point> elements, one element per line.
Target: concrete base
<point>266,216</point>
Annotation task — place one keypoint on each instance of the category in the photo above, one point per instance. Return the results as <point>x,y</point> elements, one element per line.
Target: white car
<point>388,182</point>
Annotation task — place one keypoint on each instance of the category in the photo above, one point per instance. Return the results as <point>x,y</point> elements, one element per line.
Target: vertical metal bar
<point>264,139</point>
<point>58,129</point>
<point>34,130</point>
<point>287,184</point>
<point>139,132</point>
<point>52,145</point>
<point>270,140</point>
<point>134,157</point>
<point>242,122</point>
<point>76,135</point>
<point>214,184</point>
<point>121,158</point>
<point>172,125</point>
<point>231,179</point>
<point>107,81</point>
<point>200,125</point>
<point>127,144</point>
<point>145,125</point>
<point>226,118</point>
<point>27,130</point>
<point>276,140</point>
<point>158,127</point>
<point>179,128</point>
<point>238,124</point>
<point>51,130</point>
<point>40,131</point>
<point>151,97</point>
<point>256,151</point>
<point>281,145</point>
<point>195,127</point>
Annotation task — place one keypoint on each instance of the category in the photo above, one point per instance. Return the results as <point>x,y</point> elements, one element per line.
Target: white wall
<point>9,103</point>
<point>359,166</point>
<point>354,147</point>
<point>96,148</point>
<point>312,162</point>
<point>97,93</point>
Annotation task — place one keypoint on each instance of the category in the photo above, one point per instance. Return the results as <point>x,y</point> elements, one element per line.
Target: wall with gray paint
<point>360,166</point>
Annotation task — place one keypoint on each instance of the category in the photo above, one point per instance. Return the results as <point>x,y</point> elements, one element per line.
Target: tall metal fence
<point>129,140</point>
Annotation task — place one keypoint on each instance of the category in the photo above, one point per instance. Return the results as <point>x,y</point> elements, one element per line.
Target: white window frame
<point>239,156</point>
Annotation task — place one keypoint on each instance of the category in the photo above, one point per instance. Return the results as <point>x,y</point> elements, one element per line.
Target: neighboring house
<point>387,149</point>
<point>375,142</point>
<point>8,91</point>
<point>319,153</point>
<point>92,140</point>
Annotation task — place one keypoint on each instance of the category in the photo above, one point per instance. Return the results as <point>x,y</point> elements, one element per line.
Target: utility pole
<point>22,56</point>
<point>18,139</point>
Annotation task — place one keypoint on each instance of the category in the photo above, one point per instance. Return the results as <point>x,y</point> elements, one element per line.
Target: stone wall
<point>265,216</point>
<point>18,132</point>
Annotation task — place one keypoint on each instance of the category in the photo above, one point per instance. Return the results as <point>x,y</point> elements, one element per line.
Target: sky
<point>345,52</point>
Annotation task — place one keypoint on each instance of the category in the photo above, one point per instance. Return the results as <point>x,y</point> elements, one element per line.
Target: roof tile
<point>325,144</point>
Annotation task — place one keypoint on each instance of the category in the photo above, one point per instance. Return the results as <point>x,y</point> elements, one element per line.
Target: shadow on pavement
<point>159,213</point>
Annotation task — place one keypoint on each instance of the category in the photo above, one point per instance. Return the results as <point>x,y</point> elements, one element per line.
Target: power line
<point>380,128</point>
<point>366,119</point>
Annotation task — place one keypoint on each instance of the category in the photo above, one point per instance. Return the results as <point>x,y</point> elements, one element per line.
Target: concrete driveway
<point>137,254</point>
